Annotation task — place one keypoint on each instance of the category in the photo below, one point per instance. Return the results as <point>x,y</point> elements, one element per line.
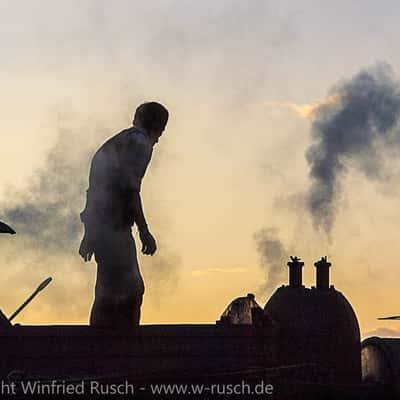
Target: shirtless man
<point>113,206</point>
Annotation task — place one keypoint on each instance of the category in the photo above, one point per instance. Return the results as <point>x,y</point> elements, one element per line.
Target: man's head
<point>152,117</point>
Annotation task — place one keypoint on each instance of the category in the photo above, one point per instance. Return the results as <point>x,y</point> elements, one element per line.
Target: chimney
<point>295,272</point>
<point>322,267</point>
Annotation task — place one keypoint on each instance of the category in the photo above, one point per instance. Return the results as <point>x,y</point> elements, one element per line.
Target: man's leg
<point>129,311</point>
<point>102,313</point>
<point>119,285</point>
<point>136,310</point>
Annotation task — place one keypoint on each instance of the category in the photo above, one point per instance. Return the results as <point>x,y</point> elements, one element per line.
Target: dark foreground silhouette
<point>113,206</point>
<point>4,228</point>
<point>303,344</point>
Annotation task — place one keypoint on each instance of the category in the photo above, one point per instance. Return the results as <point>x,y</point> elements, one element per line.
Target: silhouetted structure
<point>241,311</point>
<point>306,342</point>
<point>30,298</point>
<point>316,325</point>
<point>4,228</point>
<point>322,269</point>
<point>381,363</point>
<point>295,272</point>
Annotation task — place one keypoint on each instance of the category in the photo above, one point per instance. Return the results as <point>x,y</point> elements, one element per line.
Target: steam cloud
<point>274,256</point>
<point>46,217</point>
<point>358,128</point>
<point>47,211</point>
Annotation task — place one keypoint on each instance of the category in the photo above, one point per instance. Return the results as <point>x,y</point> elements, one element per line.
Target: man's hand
<point>86,249</point>
<point>149,245</point>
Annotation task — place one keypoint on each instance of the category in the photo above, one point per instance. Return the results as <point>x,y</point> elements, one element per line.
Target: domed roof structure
<point>241,311</point>
<point>317,326</point>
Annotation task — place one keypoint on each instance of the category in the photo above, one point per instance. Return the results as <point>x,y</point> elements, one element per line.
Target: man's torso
<point>116,172</point>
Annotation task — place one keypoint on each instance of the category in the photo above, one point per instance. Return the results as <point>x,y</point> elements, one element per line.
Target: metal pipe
<point>322,266</point>
<point>295,272</point>
<point>30,298</point>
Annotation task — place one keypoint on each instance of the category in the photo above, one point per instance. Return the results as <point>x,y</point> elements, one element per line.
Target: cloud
<point>306,110</point>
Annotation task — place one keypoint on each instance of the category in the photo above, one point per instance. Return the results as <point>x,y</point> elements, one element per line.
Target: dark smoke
<point>358,130</point>
<point>47,211</point>
<point>274,257</point>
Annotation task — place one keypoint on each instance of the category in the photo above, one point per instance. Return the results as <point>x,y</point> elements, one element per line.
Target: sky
<point>249,87</point>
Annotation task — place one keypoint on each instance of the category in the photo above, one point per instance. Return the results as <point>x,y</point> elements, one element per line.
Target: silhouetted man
<point>113,206</point>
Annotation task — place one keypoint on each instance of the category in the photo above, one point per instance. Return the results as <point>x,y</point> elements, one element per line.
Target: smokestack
<point>322,267</point>
<point>295,272</point>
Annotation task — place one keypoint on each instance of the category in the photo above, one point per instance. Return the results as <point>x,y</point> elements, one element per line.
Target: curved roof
<point>4,228</point>
<point>317,326</point>
<point>309,310</point>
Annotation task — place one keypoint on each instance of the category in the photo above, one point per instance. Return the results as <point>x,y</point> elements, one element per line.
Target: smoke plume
<point>356,129</point>
<point>273,256</point>
<point>47,211</point>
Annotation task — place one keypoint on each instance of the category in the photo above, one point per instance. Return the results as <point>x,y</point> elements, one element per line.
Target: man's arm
<point>86,248</point>
<point>149,245</point>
